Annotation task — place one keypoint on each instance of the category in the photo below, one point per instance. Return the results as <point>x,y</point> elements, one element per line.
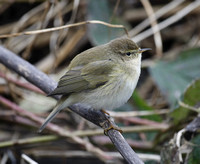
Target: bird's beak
<point>143,49</point>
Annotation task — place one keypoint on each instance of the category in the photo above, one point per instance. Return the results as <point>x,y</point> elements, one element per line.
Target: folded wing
<point>83,78</point>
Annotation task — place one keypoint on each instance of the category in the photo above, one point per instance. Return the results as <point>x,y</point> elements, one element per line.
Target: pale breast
<point>122,92</point>
<point>112,95</point>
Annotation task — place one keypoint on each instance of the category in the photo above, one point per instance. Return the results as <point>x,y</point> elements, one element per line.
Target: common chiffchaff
<point>103,77</point>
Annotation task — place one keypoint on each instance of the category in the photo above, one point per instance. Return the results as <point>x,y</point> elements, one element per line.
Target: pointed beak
<point>143,49</point>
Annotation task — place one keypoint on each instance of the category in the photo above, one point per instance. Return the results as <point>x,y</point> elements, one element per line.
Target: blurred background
<point>166,100</point>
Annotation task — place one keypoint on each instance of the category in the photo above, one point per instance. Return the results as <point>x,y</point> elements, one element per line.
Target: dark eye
<point>128,53</point>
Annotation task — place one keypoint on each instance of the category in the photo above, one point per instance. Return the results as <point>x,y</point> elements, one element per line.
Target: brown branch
<point>21,84</point>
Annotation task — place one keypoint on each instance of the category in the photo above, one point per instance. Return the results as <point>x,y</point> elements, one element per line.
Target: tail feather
<point>60,105</point>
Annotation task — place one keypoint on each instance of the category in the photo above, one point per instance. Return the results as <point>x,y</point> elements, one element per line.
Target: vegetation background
<point>160,121</point>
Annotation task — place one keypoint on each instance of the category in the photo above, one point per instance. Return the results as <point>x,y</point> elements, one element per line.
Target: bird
<point>103,77</point>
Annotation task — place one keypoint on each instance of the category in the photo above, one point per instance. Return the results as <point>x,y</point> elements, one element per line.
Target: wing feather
<point>90,76</point>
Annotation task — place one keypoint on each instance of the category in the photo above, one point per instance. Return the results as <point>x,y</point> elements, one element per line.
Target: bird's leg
<point>110,124</point>
<point>104,111</point>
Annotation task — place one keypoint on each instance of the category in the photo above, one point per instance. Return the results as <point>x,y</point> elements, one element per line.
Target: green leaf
<point>142,105</point>
<point>191,97</point>
<point>100,34</point>
<point>172,77</point>
<point>194,157</point>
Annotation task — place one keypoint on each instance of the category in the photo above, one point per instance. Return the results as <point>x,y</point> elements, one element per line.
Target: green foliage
<point>191,97</point>
<point>100,34</point>
<point>181,115</point>
<point>142,105</point>
<point>151,162</point>
<point>194,157</point>
<point>172,77</point>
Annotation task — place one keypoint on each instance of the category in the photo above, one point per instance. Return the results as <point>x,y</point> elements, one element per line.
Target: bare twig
<point>158,14</point>
<point>78,133</point>
<point>32,140</point>
<point>22,112</point>
<point>41,23</point>
<point>21,84</point>
<point>75,41</point>
<point>57,37</point>
<point>154,25</point>
<point>115,10</point>
<point>143,121</point>
<point>63,27</point>
<point>178,143</point>
<point>28,159</point>
<point>49,153</point>
<point>180,14</point>
<point>12,117</point>
<point>137,113</point>
<point>182,104</point>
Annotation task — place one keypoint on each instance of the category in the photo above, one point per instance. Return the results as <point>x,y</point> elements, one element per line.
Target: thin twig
<point>25,21</point>
<point>12,117</point>
<point>125,129</point>
<point>155,28</point>
<point>180,14</point>
<point>23,112</point>
<point>28,159</point>
<point>138,113</point>
<point>22,84</point>
<point>32,140</point>
<point>182,104</point>
<point>178,143</point>
<point>78,133</point>
<point>115,10</point>
<point>63,27</point>
<point>39,24</point>
<point>171,5</point>
<point>49,153</point>
<point>57,37</point>
<point>143,121</point>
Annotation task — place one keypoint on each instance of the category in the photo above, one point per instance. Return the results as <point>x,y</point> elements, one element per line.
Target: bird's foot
<point>109,123</point>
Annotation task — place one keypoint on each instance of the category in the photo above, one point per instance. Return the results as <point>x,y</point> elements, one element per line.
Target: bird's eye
<point>128,53</point>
